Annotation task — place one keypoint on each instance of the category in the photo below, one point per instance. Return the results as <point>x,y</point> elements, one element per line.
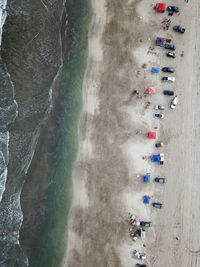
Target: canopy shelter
<point>158,158</point>
<point>152,135</point>
<point>160,41</point>
<point>151,90</point>
<point>161,7</point>
<point>147,178</point>
<point>155,70</point>
<point>137,219</point>
<point>132,217</point>
<point>146,199</point>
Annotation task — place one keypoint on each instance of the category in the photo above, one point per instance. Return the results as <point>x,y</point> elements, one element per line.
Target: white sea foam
<point>3,174</point>
<point>12,210</point>
<point>4,136</point>
<point>3,15</point>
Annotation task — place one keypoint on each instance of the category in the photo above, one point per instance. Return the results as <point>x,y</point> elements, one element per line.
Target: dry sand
<point>107,175</point>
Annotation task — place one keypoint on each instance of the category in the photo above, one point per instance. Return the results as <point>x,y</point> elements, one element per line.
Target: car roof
<point>176,99</point>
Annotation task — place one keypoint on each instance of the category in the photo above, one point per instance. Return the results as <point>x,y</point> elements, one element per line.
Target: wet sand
<point>108,173</point>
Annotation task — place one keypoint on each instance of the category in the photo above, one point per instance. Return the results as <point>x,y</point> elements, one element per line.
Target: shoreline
<point>80,194</point>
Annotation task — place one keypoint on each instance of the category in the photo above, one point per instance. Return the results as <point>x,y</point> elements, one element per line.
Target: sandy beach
<point>107,177</point>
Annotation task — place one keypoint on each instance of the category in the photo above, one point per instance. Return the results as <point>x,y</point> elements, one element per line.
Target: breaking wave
<point>30,63</point>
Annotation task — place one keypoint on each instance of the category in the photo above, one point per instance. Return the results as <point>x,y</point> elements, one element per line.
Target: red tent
<point>152,135</point>
<point>161,7</point>
<point>151,90</point>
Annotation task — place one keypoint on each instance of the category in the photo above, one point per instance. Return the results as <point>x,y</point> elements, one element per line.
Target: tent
<point>147,178</point>
<point>146,199</point>
<point>137,219</point>
<point>161,7</point>
<point>152,135</point>
<point>156,158</point>
<point>155,70</point>
<point>151,90</point>
<point>160,41</point>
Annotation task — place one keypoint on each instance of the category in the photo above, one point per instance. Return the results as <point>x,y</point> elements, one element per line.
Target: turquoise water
<point>50,244</point>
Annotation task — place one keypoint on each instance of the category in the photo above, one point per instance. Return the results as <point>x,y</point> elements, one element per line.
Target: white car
<point>160,107</point>
<point>162,158</point>
<point>174,102</point>
<point>168,79</point>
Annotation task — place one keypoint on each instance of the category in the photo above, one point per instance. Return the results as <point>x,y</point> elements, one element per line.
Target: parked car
<point>171,54</point>
<point>146,224</point>
<point>173,8</point>
<point>168,92</point>
<point>160,116</point>
<point>140,265</point>
<point>174,102</point>
<point>160,144</point>
<point>170,46</point>
<point>158,205</point>
<point>168,79</point>
<point>159,107</point>
<point>168,69</point>
<point>179,29</point>
<point>160,180</point>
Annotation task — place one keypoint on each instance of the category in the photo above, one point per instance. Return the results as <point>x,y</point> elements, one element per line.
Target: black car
<point>168,92</point>
<point>158,205</point>
<point>146,224</point>
<point>140,265</point>
<point>178,28</point>
<point>171,54</point>
<point>170,46</point>
<point>168,69</point>
<point>173,8</point>
<point>160,180</point>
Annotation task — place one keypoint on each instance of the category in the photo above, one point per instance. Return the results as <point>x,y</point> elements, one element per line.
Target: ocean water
<point>42,64</point>
<point>49,244</point>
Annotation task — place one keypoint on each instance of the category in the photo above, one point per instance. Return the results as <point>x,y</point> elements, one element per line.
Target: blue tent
<point>156,158</point>
<point>155,70</point>
<point>147,178</point>
<point>146,199</point>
